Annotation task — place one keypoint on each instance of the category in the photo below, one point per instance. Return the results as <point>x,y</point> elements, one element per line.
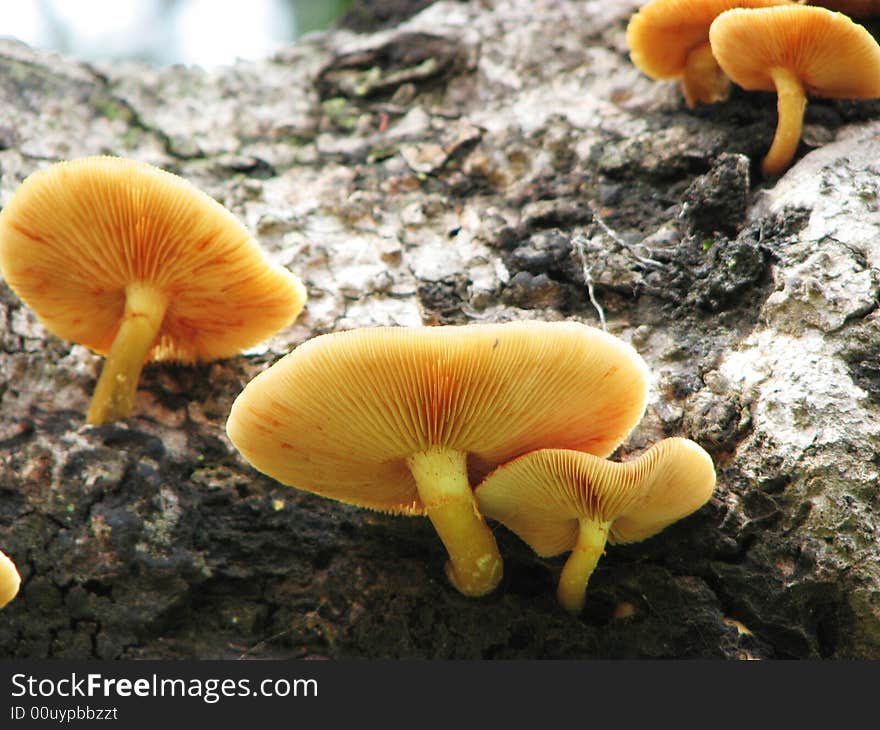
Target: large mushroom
<point>795,50</point>
<point>669,39</point>
<point>398,419</point>
<point>138,264</point>
<point>560,500</point>
<point>10,580</point>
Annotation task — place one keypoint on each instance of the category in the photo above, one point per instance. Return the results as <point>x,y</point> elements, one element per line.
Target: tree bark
<point>482,161</point>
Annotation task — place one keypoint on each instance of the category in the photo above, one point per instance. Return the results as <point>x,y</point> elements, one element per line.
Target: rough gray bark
<point>480,162</point>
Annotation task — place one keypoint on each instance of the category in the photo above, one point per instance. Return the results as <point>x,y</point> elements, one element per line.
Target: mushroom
<point>669,39</point>
<point>10,580</point>
<point>138,264</point>
<point>558,500</point>
<point>404,420</point>
<point>794,50</point>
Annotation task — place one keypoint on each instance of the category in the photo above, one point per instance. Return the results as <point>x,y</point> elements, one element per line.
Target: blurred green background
<point>203,32</point>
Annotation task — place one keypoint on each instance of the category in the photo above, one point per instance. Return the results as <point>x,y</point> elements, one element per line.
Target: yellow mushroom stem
<point>114,394</point>
<point>589,547</point>
<point>703,81</point>
<point>790,104</point>
<point>474,566</point>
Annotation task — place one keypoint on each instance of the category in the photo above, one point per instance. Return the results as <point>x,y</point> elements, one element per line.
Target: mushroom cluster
<point>669,39</point>
<point>512,421</point>
<point>406,420</point>
<point>762,45</point>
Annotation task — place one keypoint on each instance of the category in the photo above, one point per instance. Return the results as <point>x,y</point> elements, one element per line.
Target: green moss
<point>341,113</point>
<point>110,108</point>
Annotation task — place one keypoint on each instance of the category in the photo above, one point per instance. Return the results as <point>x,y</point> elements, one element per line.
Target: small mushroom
<point>138,264</point>
<point>558,500</point>
<point>669,39</point>
<point>10,580</point>
<point>795,50</point>
<point>404,420</point>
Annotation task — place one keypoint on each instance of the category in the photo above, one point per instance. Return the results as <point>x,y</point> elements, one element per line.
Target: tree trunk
<point>482,161</point>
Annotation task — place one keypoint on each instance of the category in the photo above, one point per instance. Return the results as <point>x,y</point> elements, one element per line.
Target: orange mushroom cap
<point>831,55</point>
<point>77,233</point>
<point>669,39</point>
<point>405,419</point>
<point>10,580</point>
<point>542,495</point>
<point>340,415</point>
